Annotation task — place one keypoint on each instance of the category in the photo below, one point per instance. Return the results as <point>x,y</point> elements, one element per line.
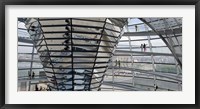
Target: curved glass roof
<point>100,54</point>
<point>156,65</point>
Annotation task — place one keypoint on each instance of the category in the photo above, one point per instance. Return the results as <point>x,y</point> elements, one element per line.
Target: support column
<point>113,75</point>
<point>152,59</point>
<point>132,60</point>
<point>31,66</point>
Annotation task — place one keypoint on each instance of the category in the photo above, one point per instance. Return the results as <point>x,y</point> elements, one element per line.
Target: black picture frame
<point>3,3</point>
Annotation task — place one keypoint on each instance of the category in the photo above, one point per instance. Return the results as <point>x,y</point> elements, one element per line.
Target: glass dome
<point>104,54</point>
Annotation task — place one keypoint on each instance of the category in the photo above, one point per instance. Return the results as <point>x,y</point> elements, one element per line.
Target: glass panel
<point>166,68</point>
<point>143,66</point>
<point>164,59</point>
<point>157,42</point>
<point>161,50</point>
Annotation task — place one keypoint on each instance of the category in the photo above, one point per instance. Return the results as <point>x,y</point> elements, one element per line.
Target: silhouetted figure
<point>36,88</point>
<point>119,63</point>
<point>29,74</point>
<point>136,28</point>
<point>33,75</point>
<point>144,46</point>
<point>155,87</point>
<point>141,47</point>
<point>48,88</point>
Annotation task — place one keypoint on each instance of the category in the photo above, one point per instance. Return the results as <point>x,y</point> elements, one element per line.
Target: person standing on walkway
<point>144,46</point>
<point>136,28</point>
<point>119,63</point>
<point>36,88</point>
<point>141,47</point>
<point>29,74</point>
<point>33,75</point>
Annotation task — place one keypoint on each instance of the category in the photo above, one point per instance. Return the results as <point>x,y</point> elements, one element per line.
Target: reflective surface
<point>75,51</point>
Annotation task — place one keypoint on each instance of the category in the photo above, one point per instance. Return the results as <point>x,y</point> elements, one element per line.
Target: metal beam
<point>151,72</point>
<point>152,33</point>
<point>146,53</point>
